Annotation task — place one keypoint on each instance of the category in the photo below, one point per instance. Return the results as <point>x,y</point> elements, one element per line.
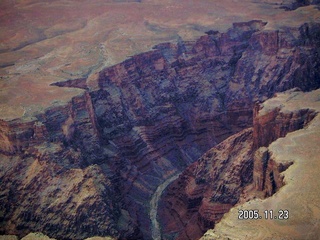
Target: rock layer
<point>51,197</point>
<point>207,189</point>
<point>269,125</point>
<point>236,170</point>
<point>142,121</point>
<point>299,194</point>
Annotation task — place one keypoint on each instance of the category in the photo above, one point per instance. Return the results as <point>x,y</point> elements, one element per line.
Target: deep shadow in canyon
<point>90,167</point>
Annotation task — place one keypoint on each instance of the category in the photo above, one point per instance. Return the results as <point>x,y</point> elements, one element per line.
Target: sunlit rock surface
<point>300,193</point>
<point>238,169</point>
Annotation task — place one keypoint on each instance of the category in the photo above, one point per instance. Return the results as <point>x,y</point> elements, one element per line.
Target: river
<point>155,227</point>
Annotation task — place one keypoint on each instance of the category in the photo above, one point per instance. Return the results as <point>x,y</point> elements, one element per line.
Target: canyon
<point>237,170</point>
<point>162,144</point>
<point>299,150</point>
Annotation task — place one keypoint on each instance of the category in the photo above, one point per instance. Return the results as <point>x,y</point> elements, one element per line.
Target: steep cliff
<point>269,125</point>
<point>193,95</point>
<point>207,189</point>
<point>45,196</point>
<point>299,195</point>
<point>236,170</point>
<point>144,120</point>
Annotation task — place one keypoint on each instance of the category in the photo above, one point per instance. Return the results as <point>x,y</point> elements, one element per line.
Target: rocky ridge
<point>140,122</point>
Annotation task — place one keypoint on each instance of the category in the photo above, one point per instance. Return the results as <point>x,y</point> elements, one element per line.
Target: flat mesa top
<point>42,42</point>
<point>291,101</point>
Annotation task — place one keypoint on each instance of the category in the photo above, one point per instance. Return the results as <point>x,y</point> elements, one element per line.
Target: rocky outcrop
<point>301,179</point>
<point>50,196</point>
<point>275,124</point>
<point>236,170</point>
<point>40,236</point>
<point>74,122</point>
<point>144,120</point>
<point>267,178</point>
<point>269,125</point>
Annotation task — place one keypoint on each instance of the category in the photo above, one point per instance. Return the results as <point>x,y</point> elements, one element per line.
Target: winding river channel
<point>156,231</point>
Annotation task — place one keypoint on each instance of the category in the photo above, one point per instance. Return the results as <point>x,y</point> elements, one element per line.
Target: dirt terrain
<point>42,42</point>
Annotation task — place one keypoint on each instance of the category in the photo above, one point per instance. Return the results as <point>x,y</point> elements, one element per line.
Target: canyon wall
<point>238,169</point>
<point>269,125</point>
<point>300,150</point>
<point>144,120</point>
<point>207,189</point>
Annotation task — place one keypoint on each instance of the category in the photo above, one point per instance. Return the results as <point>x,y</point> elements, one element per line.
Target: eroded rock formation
<point>97,160</point>
<point>207,189</point>
<point>300,192</point>
<point>238,169</point>
<point>269,125</point>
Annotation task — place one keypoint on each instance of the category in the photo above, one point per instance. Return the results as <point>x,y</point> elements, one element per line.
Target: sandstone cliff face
<point>300,192</point>
<point>74,123</point>
<point>275,124</point>
<point>146,119</point>
<point>236,170</point>
<point>269,125</point>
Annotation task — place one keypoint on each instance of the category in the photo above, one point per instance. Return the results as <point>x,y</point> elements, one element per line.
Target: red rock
<point>208,188</point>
<point>234,171</point>
<point>148,118</point>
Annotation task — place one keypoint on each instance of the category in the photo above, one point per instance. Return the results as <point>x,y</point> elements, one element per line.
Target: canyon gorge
<point>164,143</point>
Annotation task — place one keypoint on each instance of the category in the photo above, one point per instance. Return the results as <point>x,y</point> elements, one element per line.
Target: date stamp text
<point>266,214</point>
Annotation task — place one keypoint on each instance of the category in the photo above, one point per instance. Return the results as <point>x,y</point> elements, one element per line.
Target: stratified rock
<point>207,189</point>
<point>300,193</point>
<point>270,125</point>
<point>177,101</point>
<point>238,169</point>
<point>141,122</point>
<point>51,196</point>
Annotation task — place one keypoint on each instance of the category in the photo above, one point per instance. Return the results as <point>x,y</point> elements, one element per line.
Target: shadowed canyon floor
<point>104,105</point>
